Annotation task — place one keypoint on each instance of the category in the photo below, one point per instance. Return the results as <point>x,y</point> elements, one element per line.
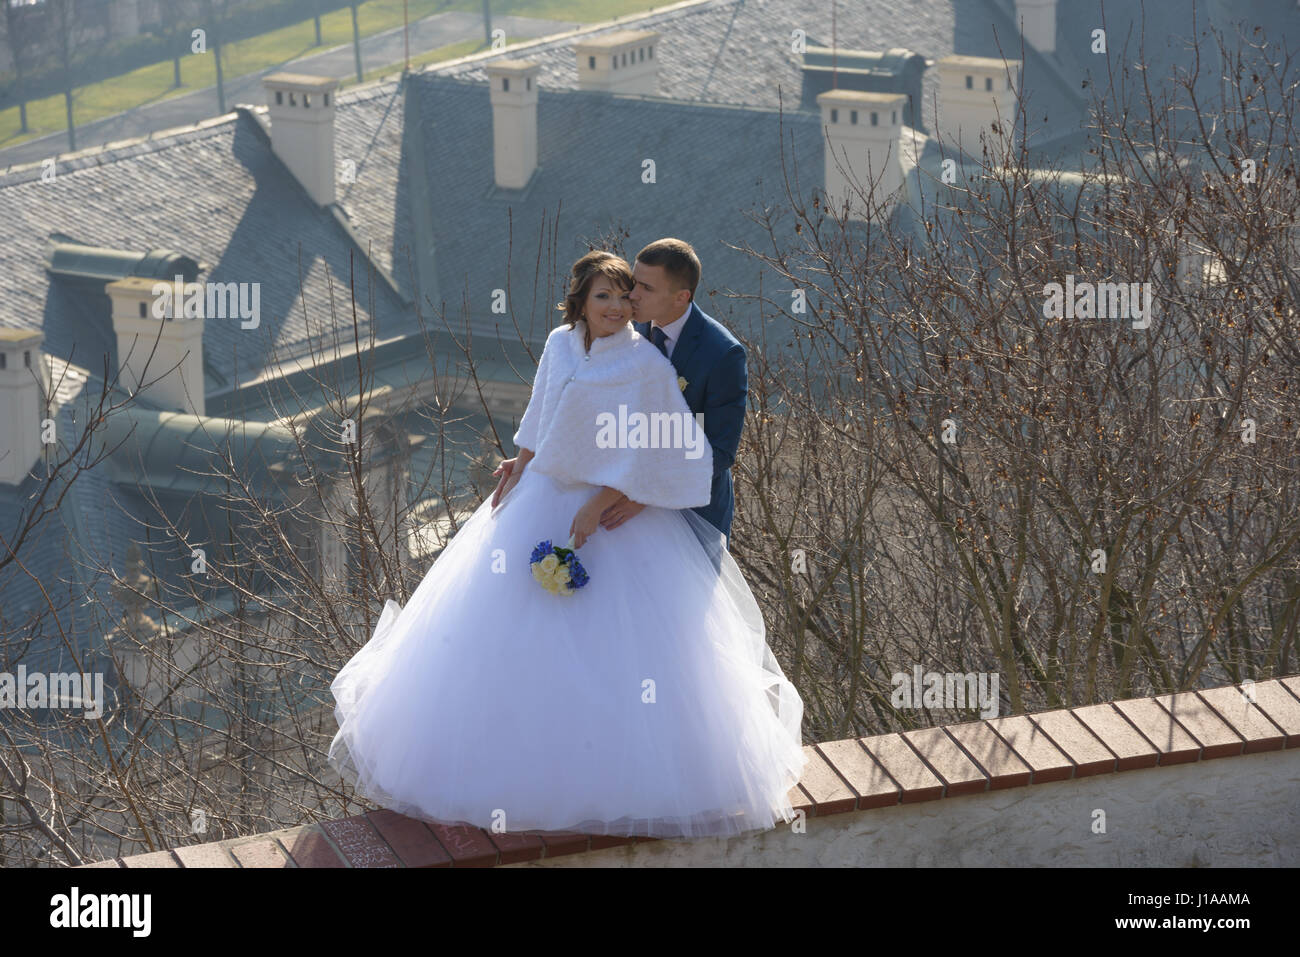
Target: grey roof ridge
<point>154,138</point>
<point>82,159</point>
<point>591,29</point>
<point>344,222</point>
<point>650,99</point>
<point>420,208</point>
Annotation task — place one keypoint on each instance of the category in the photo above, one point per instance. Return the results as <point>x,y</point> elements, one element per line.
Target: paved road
<point>381,49</point>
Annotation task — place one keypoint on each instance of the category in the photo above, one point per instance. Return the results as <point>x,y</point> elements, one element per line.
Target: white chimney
<point>625,61</point>
<point>302,129</point>
<point>513,85</point>
<point>1037,22</point>
<point>23,388</point>
<point>862,137</point>
<point>976,92</point>
<point>169,313</point>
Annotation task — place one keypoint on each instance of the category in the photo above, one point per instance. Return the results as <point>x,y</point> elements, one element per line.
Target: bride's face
<point>608,309</point>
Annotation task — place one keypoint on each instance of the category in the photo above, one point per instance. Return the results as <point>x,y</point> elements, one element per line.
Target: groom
<point>704,353</point>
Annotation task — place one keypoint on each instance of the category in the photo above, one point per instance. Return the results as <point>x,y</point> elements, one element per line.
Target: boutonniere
<point>682,383</point>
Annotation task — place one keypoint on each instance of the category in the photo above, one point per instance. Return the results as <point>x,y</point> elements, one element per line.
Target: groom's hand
<point>619,512</point>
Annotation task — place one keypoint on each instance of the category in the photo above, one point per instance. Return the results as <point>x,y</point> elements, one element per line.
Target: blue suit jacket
<point>712,362</point>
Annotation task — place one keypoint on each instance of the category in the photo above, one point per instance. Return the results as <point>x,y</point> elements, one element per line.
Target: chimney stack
<point>1037,22</point>
<point>23,390</point>
<point>513,85</point>
<point>625,61</point>
<point>895,71</point>
<point>863,135</point>
<point>137,320</point>
<point>302,129</point>
<point>974,93</point>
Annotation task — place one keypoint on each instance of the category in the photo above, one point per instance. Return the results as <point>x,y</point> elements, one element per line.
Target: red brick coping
<point>851,775</point>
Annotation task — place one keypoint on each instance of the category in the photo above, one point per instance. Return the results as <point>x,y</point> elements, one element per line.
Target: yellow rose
<point>681,383</point>
<point>562,574</point>
<point>549,563</point>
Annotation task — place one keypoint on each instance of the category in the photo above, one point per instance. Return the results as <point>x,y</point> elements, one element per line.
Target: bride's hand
<point>506,470</point>
<point>584,524</point>
<point>507,483</point>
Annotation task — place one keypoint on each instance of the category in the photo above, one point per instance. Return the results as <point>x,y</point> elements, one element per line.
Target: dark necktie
<point>660,340</point>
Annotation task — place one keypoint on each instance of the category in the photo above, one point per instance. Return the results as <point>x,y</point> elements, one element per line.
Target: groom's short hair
<point>678,260</point>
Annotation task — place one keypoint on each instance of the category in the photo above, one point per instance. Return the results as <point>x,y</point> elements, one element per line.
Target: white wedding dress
<point>646,703</point>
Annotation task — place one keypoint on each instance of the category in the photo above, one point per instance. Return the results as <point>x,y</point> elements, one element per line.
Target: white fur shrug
<point>575,425</point>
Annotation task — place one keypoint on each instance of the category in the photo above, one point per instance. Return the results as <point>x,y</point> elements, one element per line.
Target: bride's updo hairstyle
<point>583,275</point>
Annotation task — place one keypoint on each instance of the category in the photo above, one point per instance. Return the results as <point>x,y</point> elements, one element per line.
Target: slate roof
<point>216,193</point>
<point>741,51</point>
<point>713,164</point>
<point>368,131</point>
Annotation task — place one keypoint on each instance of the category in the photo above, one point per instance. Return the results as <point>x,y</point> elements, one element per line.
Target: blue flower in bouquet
<point>557,568</point>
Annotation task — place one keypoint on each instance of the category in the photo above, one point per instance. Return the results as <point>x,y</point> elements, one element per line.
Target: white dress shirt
<point>674,329</point>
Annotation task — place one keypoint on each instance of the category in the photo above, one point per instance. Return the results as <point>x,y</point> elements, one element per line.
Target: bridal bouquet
<point>558,569</point>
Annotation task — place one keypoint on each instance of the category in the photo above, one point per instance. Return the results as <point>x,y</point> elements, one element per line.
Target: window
<point>528,83</point>
<point>279,97</point>
<point>835,116</point>
<point>893,117</point>
<point>614,62</point>
<point>144,312</point>
<point>1008,83</point>
<point>853,116</point>
<point>652,53</point>
<point>591,63</point>
<point>641,54</point>
<point>27,358</point>
<point>306,99</point>
<point>505,84</point>
<point>4,359</point>
<point>970,82</point>
<point>875,119</point>
<point>293,98</point>
<point>988,83</point>
<point>327,99</point>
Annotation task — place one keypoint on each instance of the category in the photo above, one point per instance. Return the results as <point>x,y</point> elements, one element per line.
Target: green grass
<point>153,83</point>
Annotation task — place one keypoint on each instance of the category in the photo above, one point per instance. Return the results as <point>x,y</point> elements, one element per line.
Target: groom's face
<point>655,298</point>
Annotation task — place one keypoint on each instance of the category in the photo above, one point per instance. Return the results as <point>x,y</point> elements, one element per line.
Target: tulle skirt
<point>646,703</point>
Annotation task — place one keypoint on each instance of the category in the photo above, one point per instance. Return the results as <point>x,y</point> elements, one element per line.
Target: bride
<point>625,690</point>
